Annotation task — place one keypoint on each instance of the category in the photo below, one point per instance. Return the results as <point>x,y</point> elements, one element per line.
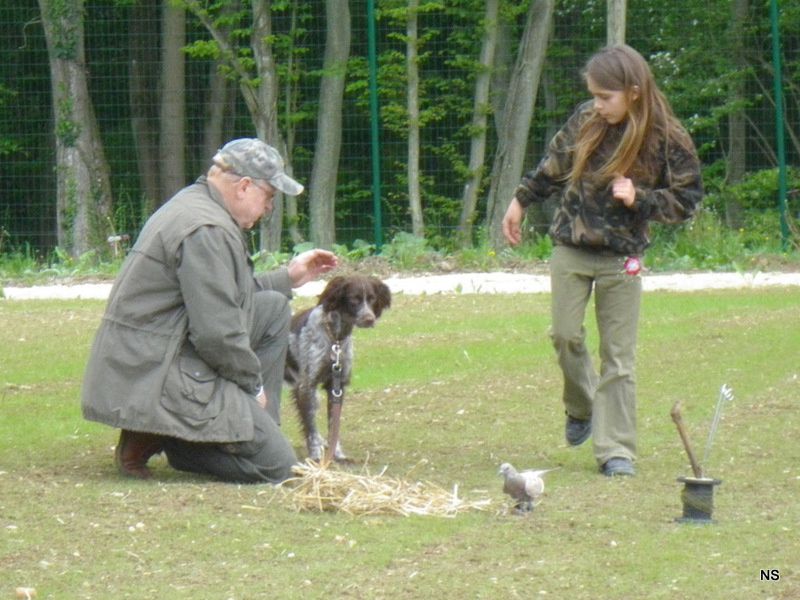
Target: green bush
<point>407,251</point>
<point>16,264</point>
<point>757,191</point>
<point>703,243</point>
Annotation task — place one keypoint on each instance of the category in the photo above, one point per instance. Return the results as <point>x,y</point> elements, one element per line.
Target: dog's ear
<point>383,296</point>
<point>331,296</point>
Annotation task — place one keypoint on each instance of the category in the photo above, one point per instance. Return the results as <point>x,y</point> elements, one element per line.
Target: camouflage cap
<point>250,157</point>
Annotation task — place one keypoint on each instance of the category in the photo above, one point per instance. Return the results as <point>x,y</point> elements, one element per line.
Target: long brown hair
<point>649,121</point>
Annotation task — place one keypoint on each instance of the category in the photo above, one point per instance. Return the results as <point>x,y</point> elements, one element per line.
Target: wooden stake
<point>675,413</point>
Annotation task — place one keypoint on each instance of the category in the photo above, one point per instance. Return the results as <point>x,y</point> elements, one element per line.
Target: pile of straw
<point>325,488</point>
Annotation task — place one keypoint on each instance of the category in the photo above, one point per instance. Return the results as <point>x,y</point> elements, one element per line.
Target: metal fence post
<point>779,130</point>
<point>374,123</point>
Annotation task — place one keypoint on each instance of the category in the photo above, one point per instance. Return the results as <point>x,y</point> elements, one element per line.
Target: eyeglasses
<point>267,190</point>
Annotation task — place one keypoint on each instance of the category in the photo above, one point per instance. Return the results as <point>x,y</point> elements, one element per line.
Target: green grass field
<point>450,386</point>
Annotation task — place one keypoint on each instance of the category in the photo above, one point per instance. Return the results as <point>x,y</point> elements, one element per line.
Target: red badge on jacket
<point>633,266</point>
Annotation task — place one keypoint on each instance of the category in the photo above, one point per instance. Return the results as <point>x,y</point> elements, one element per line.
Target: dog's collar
<point>329,327</point>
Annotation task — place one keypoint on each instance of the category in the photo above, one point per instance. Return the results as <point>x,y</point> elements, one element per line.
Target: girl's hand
<point>512,222</point>
<point>623,190</point>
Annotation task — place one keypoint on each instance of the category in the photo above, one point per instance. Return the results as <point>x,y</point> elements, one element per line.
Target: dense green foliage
<point>691,47</point>
<point>703,244</point>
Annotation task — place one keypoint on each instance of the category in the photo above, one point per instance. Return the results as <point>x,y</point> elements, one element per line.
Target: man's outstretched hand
<point>311,264</point>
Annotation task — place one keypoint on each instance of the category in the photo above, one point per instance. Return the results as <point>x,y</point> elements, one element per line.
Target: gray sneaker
<point>577,431</point>
<point>618,466</point>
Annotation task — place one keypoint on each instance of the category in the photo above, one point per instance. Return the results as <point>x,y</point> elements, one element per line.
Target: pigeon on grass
<point>524,487</point>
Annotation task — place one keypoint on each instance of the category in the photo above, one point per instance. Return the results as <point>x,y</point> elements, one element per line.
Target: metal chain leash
<point>336,369</point>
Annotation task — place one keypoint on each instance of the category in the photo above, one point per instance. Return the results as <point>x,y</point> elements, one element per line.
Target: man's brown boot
<point>133,451</point>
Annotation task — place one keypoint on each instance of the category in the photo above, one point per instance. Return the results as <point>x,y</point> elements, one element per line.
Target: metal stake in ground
<point>725,395</point>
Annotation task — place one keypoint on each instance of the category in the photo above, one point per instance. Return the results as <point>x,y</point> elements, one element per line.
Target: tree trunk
<point>172,139</point>
<point>517,116</point>
<point>83,200</point>
<point>412,100</point>
<point>292,217</point>
<point>615,21</point>
<point>737,126</point>
<point>219,92</point>
<point>143,94</point>
<point>502,67</point>
<point>539,216</point>
<point>220,96</point>
<point>480,108</point>
<point>322,195</point>
<point>264,111</point>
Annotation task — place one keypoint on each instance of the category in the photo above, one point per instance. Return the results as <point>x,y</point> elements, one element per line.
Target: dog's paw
<point>315,444</point>
<point>339,455</point>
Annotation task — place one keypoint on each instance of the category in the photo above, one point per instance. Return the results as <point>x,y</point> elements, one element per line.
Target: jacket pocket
<point>198,380</point>
<point>193,390</point>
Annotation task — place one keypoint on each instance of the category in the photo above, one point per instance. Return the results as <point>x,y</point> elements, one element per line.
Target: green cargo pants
<point>269,456</point>
<point>608,398</point>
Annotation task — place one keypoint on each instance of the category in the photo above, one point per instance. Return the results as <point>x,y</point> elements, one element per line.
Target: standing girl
<point>621,160</point>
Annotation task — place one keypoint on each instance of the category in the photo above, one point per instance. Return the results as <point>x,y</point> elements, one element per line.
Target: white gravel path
<point>461,283</point>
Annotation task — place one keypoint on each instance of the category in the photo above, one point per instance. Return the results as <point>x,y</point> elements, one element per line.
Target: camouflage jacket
<point>588,216</point>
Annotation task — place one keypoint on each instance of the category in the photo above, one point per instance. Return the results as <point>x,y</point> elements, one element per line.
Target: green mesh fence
<point>699,57</point>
